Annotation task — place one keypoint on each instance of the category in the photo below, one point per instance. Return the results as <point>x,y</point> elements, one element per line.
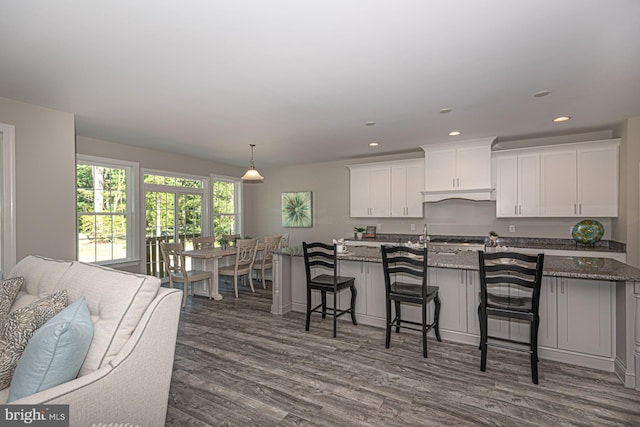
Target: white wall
<point>45,179</point>
<point>627,227</point>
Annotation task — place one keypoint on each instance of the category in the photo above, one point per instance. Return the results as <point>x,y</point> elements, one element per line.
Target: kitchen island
<point>589,307</point>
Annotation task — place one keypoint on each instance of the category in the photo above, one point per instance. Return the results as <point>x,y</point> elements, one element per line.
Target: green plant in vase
<point>358,232</point>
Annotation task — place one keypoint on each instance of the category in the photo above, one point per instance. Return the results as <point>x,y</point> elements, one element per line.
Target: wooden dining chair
<point>204,242</point>
<point>174,261</point>
<point>243,266</point>
<point>266,262</point>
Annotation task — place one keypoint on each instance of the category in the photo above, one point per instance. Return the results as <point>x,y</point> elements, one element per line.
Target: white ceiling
<point>300,78</point>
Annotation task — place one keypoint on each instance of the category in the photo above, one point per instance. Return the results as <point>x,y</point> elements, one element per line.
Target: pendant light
<point>252,175</point>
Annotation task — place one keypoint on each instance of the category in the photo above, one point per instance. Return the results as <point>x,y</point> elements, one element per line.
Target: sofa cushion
<point>116,301</point>
<point>41,275</point>
<point>19,326</point>
<point>55,353</point>
<point>8,291</point>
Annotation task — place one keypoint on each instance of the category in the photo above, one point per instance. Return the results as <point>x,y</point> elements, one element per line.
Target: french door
<point>174,211</point>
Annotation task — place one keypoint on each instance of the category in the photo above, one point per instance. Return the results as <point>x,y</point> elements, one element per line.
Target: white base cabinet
<point>576,315</point>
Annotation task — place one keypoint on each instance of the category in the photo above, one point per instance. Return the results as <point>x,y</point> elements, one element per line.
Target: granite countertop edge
<point>554,266</point>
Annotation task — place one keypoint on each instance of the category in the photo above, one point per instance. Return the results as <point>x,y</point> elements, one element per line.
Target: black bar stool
<point>400,260</point>
<point>510,288</point>
<point>325,256</point>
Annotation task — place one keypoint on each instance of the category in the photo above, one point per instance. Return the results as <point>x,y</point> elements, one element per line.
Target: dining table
<point>210,259</point>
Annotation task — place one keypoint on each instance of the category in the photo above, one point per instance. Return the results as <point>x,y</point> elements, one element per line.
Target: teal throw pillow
<point>55,353</point>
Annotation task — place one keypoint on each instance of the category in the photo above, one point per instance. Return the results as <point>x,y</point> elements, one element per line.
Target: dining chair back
<point>174,261</point>
<point>405,280</point>
<point>243,266</point>
<point>204,242</point>
<point>510,285</point>
<point>271,243</point>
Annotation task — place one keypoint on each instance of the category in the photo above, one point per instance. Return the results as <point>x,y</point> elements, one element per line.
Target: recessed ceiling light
<point>446,110</point>
<point>561,119</point>
<point>374,144</point>
<point>369,123</point>
<point>541,93</point>
<point>455,133</point>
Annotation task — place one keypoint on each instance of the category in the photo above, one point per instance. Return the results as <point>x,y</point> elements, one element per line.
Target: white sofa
<point>126,375</point>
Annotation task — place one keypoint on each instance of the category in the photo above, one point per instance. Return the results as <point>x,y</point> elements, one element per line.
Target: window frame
<point>237,201</point>
<point>8,211</point>
<point>132,179</point>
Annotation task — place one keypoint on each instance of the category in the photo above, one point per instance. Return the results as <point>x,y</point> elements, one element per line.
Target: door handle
<point>580,208</point>
<point>520,209</point>
<point>453,182</point>
<point>515,209</point>
<point>458,182</point>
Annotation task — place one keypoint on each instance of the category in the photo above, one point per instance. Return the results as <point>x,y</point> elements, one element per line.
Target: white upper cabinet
<point>580,180</point>
<point>518,185</point>
<point>458,170</point>
<point>559,181</point>
<point>370,191</point>
<point>387,189</point>
<point>598,180</point>
<point>406,186</point>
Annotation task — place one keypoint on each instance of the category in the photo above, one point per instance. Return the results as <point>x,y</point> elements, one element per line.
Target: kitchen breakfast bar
<point>589,307</point>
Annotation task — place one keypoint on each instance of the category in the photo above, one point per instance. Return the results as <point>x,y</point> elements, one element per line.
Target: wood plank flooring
<point>238,365</point>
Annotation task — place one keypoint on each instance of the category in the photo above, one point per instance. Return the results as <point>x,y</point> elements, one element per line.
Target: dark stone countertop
<point>555,266</point>
<point>511,242</point>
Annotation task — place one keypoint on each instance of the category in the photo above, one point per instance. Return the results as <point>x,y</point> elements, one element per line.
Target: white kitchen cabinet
<point>585,312</point>
<point>580,180</point>
<point>387,189</point>
<point>460,169</point>
<point>598,180</point>
<point>407,178</point>
<point>370,299</point>
<point>453,293</point>
<point>518,185</point>
<point>370,191</point>
<point>497,326</point>
<point>548,328</point>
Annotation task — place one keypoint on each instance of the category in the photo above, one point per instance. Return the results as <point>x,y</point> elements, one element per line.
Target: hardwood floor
<point>238,365</point>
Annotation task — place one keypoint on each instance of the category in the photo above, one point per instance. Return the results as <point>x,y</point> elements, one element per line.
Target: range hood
<point>460,170</point>
<point>478,194</point>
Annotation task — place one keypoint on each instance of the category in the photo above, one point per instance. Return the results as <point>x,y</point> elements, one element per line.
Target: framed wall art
<point>297,209</point>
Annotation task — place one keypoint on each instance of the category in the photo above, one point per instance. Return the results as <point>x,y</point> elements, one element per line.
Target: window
<point>226,206</point>
<point>175,206</point>
<point>105,199</point>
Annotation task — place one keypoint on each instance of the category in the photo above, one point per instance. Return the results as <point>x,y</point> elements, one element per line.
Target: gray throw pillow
<point>18,327</point>
<point>8,290</point>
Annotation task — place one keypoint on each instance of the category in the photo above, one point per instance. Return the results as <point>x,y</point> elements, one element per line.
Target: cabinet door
<point>380,192</point>
<point>529,185</point>
<point>558,183</point>
<point>548,329</point>
<point>498,326</point>
<point>507,187</point>
<point>376,294</point>
<point>453,295</point>
<point>584,316</point>
<point>415,185</point>
<point>598,181</point>
<point>440,170</point>
<point>473,167</point>
<point>399,191</point>
<point>353,269</point>
<point>359,192</point>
